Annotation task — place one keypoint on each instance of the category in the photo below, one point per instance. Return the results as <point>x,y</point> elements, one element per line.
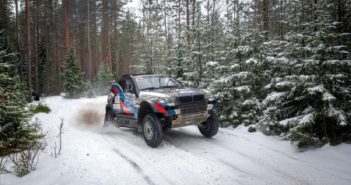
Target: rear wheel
<point>152,130</point>
<point>209,128</point>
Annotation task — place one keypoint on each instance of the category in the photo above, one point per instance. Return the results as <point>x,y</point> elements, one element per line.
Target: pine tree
<point>17,133</point>
<point>73,83</point>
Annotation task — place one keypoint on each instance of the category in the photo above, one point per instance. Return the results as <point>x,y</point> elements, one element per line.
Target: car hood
<point>171,92</point>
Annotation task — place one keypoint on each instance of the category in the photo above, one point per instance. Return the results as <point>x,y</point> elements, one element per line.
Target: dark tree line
<point>44,32</point>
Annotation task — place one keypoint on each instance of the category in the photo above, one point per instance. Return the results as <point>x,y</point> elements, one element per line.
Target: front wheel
<point>108,118</point>
<point>152,130</point>
<point>209,128</point>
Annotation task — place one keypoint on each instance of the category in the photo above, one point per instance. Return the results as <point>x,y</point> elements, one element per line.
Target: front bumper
<point>190,119</point>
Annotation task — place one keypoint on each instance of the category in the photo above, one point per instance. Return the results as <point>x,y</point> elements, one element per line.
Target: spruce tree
<point>73,83</point>
<point>17,133</point>
<point>241,78</point>
<point>310,89</point>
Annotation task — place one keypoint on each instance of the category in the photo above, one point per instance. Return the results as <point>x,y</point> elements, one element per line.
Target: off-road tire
<point>209,128</point>
<point>152,130</point>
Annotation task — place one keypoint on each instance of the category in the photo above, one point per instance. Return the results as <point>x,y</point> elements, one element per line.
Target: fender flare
<point>151,106</point>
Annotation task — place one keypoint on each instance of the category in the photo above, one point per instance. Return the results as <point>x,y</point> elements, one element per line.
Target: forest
<point>279,66</point>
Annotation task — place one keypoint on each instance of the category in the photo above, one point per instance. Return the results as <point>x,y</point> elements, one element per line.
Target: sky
<point>134,6</point>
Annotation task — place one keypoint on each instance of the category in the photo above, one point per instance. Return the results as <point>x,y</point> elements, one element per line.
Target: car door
<point>128,103</point>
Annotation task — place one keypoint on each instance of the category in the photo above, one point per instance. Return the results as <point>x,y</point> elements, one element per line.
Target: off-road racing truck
<point>154,103</point>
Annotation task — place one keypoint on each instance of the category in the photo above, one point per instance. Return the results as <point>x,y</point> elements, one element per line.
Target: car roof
<point>146,74</point>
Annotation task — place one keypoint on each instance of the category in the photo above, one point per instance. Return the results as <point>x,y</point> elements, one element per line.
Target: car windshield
<point>155,82</point>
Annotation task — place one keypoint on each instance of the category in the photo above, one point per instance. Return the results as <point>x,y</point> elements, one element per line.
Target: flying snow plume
<point>90,116</point>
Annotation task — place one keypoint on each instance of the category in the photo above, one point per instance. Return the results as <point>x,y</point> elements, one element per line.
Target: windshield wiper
<point>169,86</point>
<point>150,88</point>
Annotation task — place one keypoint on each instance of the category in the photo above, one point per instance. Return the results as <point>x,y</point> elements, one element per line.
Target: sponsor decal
<point>160,108</point>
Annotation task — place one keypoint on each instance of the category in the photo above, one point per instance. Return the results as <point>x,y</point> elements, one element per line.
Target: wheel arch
<point>147,107</point>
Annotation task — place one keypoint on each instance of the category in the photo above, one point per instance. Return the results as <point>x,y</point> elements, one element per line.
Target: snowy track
<point>95,155</point>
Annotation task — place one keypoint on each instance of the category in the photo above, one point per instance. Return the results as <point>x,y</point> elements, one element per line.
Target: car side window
<point>128,86</point>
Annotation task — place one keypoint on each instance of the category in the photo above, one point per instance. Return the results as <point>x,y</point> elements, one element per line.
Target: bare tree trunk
<point>17,40</point>
<point>114,45</point>
<point>237,19</point>
<point>3,12</point>
<point>17,27</point>
<point>46,83</point>
<point>194,14</point>
<point>106,56</point>
<point>199,49</point>
<point>28,49</point>
<point>166,31</point>
<point>66,26</point>
<point>208,40</point>
<point>56,52</point>
<point>212,29</point>
<point>179,11</point>
<point>89,72</point>
<point>281,20</point>
<point>187,22</point>
<point>265,18</point>
<point>36,64</point>
<point>94,40</point>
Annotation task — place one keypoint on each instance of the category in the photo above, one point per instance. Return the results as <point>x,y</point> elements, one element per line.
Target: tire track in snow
<point>332,172</point>
<point>213,144</point>
<point>130,146</point>
<point>132,163</point>
<point>245,173</point>
<point>263,146</point>
<point>135,166</point>
<point>265,164</point>
<point>168,143</point>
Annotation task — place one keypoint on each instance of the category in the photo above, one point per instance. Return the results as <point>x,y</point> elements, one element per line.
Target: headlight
<point>167,100</point>
<point>209,106</point>
<point>208,95</point>
<point>212,100</point>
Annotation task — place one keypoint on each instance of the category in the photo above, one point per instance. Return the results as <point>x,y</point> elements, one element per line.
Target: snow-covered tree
<point>241,78</point>
<point>310,91</point>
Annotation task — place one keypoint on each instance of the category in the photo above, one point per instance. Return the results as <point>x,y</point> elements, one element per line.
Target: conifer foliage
<point>272,65</point>
<point>17,132</point>
<point>104,78</point>
<point>73,83</point>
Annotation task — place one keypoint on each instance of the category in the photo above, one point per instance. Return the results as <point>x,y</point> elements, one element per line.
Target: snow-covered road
<point>92,154</point>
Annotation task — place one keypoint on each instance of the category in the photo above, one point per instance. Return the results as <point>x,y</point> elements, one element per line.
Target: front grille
<point>198,97</point>
<point>192,104</point>
<point>185,99</point>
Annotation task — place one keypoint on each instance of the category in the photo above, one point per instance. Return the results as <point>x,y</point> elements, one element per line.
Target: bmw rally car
<point>154,103</point>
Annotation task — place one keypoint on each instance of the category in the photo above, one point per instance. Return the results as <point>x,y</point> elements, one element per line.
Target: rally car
<point>155,103</point>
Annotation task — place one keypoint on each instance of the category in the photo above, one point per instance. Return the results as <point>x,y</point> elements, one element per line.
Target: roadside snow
<point>92,154</point>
